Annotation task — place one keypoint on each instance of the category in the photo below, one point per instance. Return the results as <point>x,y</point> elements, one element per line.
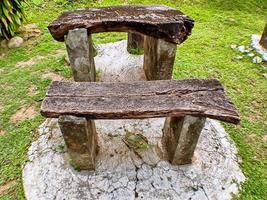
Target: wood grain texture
<point>159,57</point>
<point>180,137</point>
<point>156,21</point>
<point>145,99</point>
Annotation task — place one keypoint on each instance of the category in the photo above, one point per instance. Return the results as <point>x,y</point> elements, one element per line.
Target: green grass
<point>206,53</point>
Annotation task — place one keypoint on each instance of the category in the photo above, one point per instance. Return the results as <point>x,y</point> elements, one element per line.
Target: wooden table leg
<point>81,54</point>
<point>180,137</point>
<point>135,41</point>
<point>78,132</point>
<point>159,57</point>
<point>81,140</point>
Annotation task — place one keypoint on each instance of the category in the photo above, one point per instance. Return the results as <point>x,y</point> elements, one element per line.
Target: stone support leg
<point>78,132</point>
<point>135,41</point>
<point>81,54</point>
<point>159,57</point>
<point>81,140</point>
<point>180,136</point>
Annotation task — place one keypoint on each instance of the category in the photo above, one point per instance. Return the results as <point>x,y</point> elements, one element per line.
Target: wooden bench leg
<point>81,140</point>
<point>180,136</point>
<point>159,57</point>
<point>81,54</point>
<point>135,41</point>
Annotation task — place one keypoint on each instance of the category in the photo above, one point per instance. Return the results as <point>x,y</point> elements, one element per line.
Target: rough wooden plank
<point>157,21</point>
<point>81,140</point>
<point>135,41</point>
<point>180,137</point>
<point>81,55</point>
<point>59,88</point>
<point>161,101</point>
<point>159,57</point>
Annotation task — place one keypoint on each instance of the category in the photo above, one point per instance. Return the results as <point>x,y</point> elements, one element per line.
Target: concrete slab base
<point>120,172</point>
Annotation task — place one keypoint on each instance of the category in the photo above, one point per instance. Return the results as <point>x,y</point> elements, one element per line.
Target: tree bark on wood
<point>159,57</point>
<point>158,21</point>
<point>81,55</point>
<point>81,140</point>
<point>203,98</point>
<point>263,40</point>
<point>135,41</point>
<point>180,137</point>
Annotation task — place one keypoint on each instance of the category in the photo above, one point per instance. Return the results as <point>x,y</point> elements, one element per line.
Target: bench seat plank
<point>157,21</point>
<point>145,99</point>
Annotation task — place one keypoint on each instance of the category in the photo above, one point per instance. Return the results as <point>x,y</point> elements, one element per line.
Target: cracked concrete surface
<point>120,173</point>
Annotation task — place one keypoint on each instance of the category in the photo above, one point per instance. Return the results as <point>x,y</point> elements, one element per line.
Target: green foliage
<point>137,51</point>
<point>11,17</point>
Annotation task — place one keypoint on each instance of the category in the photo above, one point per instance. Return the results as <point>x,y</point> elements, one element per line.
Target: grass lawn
<point>207,53</point>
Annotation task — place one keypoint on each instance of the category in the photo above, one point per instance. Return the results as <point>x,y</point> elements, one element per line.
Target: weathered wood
<point>263,40</point>
<point>180,136</point>
<point>81,140</point>
<point>159,57</point>
<point>157,21</point>
<point>203,98</point>
<point>135,41</point>
<point>81,55</point>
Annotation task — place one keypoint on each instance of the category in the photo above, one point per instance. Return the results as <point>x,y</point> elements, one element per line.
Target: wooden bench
<point>157,29</point>
<point>187,102</point>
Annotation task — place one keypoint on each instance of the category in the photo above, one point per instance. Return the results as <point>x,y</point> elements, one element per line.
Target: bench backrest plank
<point>157,21</point>
<point>204,98</point>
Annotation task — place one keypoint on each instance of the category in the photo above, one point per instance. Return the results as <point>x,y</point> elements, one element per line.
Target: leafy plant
<point>11,17</point>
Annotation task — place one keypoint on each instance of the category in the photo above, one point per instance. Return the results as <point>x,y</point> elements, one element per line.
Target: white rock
<point>241,49</point>
<point>255,44</point>
<point>238,57</point>
<point>29,27</point>
<point>15,42</point>
<point>257,59</point>
<point>3,43</point>
<point>233,46</point>
<point>251,54</point>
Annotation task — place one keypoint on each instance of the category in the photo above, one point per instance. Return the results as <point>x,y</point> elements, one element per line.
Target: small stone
<point>233,46</point>
<point>264,57</point>
<point>257,59</point>
<point>29,27</point>
<point>239,57</point>
<point>4,43</point>
<point>29,31</point>
<point>241,49</point>
<point>15,42</point>
<point>2,55</point>
<point>251,54</point>
<point>265,75</point>
<point>2,132</point>
<point>247,49</point>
